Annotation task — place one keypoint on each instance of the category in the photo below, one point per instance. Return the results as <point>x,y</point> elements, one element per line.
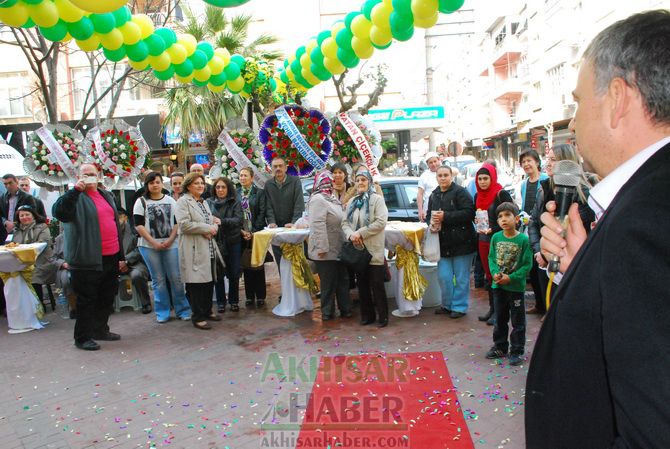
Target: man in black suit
<point>599,377</point>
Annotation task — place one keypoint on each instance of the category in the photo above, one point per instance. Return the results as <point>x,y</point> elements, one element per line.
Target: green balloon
<point>316,56</point>
<point>400,23</point>
<point>296,67</point>
<point>206,48</point>
<point>284,77</point>
<point>320,72</point>
<point>240,61</point>
<point>81,30</point>
<point>137,52</point>
<point>343,38</point>
<point>247,88</point>
<point>56,32</point>
<point>273,84</point>
<point>8,3</point>
<point>33,2</point>
<point>350,18</point>
<point>402,34</point>
<point>199,83</point>
<point>449,6</point>
<point>226,3</point>
<point>402,6</point>
<point>184,69</point>
<point>199,59</point>
<point>366,9</point>
<point>165,74</point>
<point>322,36</point>
<point>115,55</point>
<point>301,80</point>
<point>232,70</point>
<point>168,36</point>
<point>30,23</point>
<point>382,47</point>
<point>218,80</point>
<point>348,58</point>
<point>299,52</point>
<point>155,44</point>
<point>121,15</point>
<point>103,23</point>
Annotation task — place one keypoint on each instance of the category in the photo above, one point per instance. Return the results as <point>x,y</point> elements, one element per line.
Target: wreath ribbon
<point>362,144</point>
<point>240,158</point>
<point>298,141</point>
<point>57,152</point>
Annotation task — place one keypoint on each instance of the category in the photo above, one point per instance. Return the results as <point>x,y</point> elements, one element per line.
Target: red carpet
<point>384,400</point>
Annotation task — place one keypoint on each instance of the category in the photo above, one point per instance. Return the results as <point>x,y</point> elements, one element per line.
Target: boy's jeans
<point>509,304</point>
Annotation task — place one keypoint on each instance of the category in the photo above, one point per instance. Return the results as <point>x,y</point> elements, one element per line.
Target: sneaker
<point>495,353</point>
<point>185,318</point>
<point>515,360</point>
<point>146,309</point>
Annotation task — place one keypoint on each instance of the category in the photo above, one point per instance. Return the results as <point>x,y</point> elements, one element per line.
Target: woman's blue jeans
<point>164,266</point>
<point>455,295</point>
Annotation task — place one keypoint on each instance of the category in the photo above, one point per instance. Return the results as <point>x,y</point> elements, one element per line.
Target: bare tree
<point>348,94</point>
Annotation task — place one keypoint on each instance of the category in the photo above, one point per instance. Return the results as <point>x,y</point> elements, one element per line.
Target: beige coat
<point>194,255</point>
<point>373,233</point>
<point>45,269</point>
<point>325,228</point>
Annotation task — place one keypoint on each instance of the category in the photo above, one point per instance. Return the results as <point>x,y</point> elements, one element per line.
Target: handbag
<point>355,258</point>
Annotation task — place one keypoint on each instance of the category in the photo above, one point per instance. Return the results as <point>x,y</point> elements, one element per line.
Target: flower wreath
<point>43,166</point>
<point>246,140</point>
<point>313,127</point>
<point>123,151</point>
<point>344,149</point>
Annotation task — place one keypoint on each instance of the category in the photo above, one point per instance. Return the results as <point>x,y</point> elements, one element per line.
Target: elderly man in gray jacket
<point>285,203</point>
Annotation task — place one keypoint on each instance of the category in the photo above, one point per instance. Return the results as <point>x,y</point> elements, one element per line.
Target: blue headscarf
<point>362,200</point>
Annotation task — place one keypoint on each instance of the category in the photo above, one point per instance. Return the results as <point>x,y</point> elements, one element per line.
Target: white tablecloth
<point>21,302</point>
<point>393,237</point>
<point>294,300</point>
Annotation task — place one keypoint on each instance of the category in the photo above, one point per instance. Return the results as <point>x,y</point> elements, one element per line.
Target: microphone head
<point>568,173</point>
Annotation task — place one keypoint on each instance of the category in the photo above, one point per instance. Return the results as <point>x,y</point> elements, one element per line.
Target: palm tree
<point>195,108</point>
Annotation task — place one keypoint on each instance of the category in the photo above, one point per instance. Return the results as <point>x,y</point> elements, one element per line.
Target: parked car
<point>399,194</point>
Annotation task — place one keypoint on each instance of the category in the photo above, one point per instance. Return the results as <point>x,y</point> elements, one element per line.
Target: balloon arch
<point>110,26</point>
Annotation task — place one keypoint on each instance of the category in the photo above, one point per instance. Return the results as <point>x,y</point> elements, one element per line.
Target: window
<point>556,77</point>
<point>81,83</point>
<point>411,191</point>
<point>390,196</point>
<point>14,95</point>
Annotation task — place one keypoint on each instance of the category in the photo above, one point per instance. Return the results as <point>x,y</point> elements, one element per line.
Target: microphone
<point>567,177</point>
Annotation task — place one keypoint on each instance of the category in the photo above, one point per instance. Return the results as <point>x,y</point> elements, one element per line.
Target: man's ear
<point>619,97</point>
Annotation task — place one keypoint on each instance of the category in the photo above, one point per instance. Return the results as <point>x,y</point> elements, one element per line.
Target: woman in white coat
<point>364,223</point>
<point>197,249</point>
<point>324,246</point>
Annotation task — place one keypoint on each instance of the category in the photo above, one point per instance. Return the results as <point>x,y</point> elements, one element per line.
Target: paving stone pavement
<point>171,385</point>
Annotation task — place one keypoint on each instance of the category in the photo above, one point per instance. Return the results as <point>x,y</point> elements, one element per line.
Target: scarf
<point>486,197</point>
<point>245,193</point>
<point>362,201</point>
<point>28,232</point>
<point>323,184</point>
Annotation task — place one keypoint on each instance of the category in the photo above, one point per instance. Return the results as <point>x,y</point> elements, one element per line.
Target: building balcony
<point>508,90</point>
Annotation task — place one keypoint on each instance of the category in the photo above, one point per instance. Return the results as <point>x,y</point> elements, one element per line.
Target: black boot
<point>488,316</point>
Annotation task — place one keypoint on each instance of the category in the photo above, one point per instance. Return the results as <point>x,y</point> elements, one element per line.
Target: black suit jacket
<point>600,372</point>
<point>22,200</point>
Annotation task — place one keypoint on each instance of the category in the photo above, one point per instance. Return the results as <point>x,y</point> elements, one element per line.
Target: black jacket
<point>229,211</point>
<point>598,377</point>
<point>258,207</point>
<point>457,236</point>
<point>23,199</point>
<point>285,202</point>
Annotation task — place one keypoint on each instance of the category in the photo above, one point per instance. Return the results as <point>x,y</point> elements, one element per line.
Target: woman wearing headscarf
<point>489,196</point>
<point>545,193</point>
<point>252,201</point>
<point>364,224</point>
<point>324,245</point>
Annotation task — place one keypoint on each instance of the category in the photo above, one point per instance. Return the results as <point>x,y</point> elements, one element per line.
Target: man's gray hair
<point>636,49</point>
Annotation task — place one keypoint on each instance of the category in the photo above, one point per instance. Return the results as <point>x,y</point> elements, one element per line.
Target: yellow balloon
<point>112,40</point>
<point>131,33</point>
<point>381,14</point>
<point>305,61</point>
<point>290,74</point>
<point>145,23</point>
<point>177,53</point>
<point>360,26</point>
<point>216,65</point>
<point>424,8</point>
<point>141,65</point>
<point>160,62</point>
<point>333,65</point>
<point>426,22</point>
<point>67,38</point>
<point>329,47</point>
<point>337,27</point>
<point>362,47</point>
<point>224,54</point>
<point>216,89</point>
<point>202,74</point>
<point>99,6</point>
<point>90,44</point>
<point>243,94</point>
<point>68,12</point>
<point>44,14</point>
<point>15,16</point>
<point>184,79</point>
<point>309,76</point>
<point>311,45</point>
<point>380,36</point>
<point>236,84</point>
<point>188,42</point>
